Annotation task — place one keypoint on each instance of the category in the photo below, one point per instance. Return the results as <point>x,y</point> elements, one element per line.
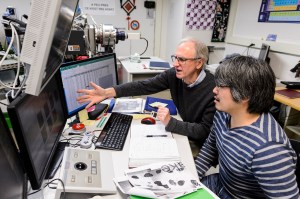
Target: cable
<point>14,33</point>
<point>3,104</point>
<point>252,44</point>
<point>146,46</point>
<point>247,49</point>
<point>93,20</point>
<point>62,183</point>
<point>19,66</point>
<point>9,46</point>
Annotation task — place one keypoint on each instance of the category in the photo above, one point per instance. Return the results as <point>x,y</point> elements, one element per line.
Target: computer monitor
<point>264,52</point>
<point>101,70</point>
<point>13,181</point>
<point>38,122</point>
<point>46,37</point>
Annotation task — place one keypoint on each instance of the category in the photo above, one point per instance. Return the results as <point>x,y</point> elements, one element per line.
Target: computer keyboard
<point>114,133</point>
<point>290,84</point>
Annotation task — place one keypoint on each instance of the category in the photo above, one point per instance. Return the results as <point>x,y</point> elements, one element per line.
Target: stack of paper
<point>161,180</point>
<point>150,144</point>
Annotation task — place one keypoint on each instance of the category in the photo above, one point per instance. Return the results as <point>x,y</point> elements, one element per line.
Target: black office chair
<point>296,146</point>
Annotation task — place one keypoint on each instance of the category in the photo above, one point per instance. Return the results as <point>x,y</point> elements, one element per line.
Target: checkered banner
<point>200,14</point>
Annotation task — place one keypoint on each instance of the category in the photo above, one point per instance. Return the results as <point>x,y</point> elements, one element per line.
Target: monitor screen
<point>45,41</point>
<point>264,52</point>
<point>13,181</point>
<point>101,70</point>
<point>38,122</point>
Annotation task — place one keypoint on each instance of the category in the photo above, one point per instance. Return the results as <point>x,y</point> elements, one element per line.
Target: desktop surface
<point>141,67</point>
<point>294,103</point>
<point>131,72</point>
<point>120,161</point>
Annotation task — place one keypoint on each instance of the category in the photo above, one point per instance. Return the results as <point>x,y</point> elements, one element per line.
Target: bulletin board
<point>285,11</point>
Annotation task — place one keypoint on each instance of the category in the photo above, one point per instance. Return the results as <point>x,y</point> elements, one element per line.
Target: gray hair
<point>200,48</point>
<point>248,78</point>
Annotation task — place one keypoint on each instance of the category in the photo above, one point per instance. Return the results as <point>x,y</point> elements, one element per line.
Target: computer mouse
<point>148,120</point>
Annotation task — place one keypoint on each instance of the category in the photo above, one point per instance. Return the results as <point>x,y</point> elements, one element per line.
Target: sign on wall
<point>99,7</point>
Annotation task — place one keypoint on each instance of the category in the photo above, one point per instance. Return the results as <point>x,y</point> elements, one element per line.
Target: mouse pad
<point>289,93</point>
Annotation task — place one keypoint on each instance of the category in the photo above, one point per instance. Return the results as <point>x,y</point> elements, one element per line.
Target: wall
<point>147,26</point>
<point>167,28</point>
<point>123,48</point>
<point>175,29</point>
<point>244,30</point>
<point>163,32</point>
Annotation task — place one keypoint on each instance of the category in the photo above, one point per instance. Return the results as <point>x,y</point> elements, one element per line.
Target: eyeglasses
<point>221,85</point>
<point>182,60</point>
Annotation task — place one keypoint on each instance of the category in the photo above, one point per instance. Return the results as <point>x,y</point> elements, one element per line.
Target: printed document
<point>160,180</point>
<point>128,105</point>
<point>150,144</point>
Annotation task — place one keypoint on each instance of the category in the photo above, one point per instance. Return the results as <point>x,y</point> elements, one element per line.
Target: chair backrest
<point>296,146</point>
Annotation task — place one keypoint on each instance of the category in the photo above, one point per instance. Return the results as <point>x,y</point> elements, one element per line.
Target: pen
<point>101,122</point>
<point>150,136</point>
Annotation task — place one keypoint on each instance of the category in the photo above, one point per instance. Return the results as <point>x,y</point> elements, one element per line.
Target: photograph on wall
<point>221,20</point>
<point>279,11</point>
<point>200,14</point>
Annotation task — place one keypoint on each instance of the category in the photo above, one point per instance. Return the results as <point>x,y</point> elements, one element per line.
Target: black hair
<point>248,78</point>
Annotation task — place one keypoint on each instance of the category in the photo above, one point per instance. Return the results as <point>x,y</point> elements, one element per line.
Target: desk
<point>120,161</point>
<point>131,71</point>
<point>293,103</point>
<point>292,120</point>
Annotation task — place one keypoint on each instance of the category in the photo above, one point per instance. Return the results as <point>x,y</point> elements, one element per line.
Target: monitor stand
<point>268,60</point>
<point>56,160</point>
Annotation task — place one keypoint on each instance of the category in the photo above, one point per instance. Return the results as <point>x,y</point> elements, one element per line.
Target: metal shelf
<point>295,129</point>
<point>9,64</point>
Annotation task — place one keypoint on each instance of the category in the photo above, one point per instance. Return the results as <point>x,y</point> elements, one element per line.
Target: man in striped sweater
<point>255,156</point>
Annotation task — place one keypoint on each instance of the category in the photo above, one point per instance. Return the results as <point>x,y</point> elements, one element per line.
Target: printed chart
<point>279,11</point>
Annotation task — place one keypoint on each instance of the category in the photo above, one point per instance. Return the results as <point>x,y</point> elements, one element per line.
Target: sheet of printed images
<point>160,180</point>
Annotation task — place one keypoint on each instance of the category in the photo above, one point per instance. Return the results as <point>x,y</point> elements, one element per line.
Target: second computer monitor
<point>264,53</point>
<point>38,122</point>
<point>13,181</point>
<point>101,70</point>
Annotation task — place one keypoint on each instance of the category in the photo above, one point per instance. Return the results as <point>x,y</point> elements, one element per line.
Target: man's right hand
<point>96,95</point>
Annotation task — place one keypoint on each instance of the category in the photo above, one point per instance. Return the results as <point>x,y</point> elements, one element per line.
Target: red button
<point>77,126</point>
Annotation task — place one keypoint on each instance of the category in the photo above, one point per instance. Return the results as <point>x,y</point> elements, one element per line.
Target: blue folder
<point>171,106</point>
<point>159,65</point>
